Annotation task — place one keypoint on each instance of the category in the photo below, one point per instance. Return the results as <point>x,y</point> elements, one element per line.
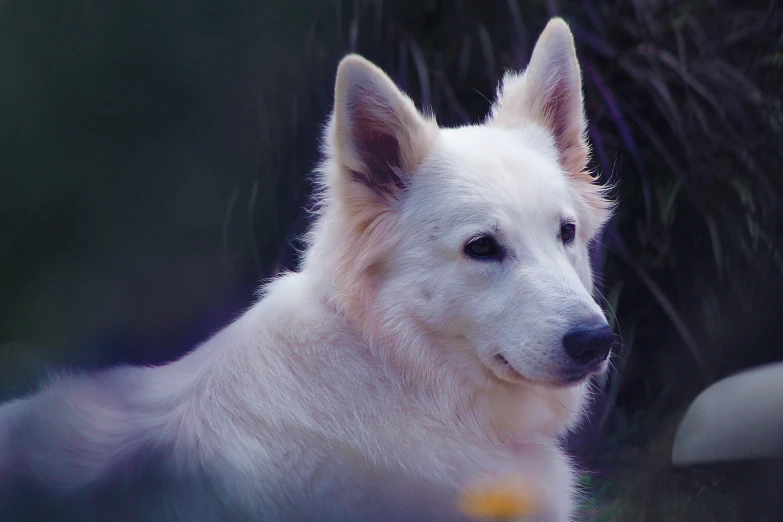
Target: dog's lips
<point>505,371</point>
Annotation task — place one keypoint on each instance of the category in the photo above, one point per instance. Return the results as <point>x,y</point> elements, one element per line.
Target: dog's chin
<point>567,378</point>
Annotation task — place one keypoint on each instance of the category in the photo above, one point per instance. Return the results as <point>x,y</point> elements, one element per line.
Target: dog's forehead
<point>504,168</point>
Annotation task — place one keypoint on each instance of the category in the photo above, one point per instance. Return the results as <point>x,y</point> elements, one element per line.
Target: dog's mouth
<point>506,371</point>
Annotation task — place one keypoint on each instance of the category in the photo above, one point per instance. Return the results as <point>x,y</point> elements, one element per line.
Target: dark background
<point>155,157</point>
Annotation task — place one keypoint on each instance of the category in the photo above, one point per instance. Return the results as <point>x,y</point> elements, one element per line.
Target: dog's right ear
<point>376,135</point>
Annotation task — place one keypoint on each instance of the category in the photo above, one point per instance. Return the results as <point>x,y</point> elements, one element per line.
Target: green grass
<point>636,484</point>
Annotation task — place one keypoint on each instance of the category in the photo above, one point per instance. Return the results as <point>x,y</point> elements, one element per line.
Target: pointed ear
<point>549,92</point>
<point>377,135</point>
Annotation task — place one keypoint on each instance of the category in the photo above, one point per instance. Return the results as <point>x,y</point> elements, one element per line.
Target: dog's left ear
<point>549,93</point>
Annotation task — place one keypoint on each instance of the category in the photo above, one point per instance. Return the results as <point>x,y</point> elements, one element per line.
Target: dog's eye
<point>567,232</point>
<point>484,248</point>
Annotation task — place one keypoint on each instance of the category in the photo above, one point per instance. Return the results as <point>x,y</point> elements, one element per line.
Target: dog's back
<point>135,477</point>
<point>187,441</point>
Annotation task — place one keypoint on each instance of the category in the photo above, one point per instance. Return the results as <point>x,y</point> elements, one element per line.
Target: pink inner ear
<point>562,114</point>
<point>375,141</point>
<point>557,112</point>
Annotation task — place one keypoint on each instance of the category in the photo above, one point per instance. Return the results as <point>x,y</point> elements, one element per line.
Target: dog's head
<point>475,238</point>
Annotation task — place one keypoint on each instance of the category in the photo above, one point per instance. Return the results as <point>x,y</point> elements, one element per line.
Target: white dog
<point>442,326</point>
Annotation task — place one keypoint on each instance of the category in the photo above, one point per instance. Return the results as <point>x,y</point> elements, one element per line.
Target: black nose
<point>588,344</point>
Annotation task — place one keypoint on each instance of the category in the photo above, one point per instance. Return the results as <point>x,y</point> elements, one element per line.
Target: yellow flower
<point>500,498</point>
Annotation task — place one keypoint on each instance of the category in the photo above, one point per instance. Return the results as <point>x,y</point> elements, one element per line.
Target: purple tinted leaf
<point>669,60</point>
<point>615,113</point>
<point>521,49</point>
<point>488,52</point>
<point>614,240</point>
<point>597,45</point>
<point>402,65</point>
<point>460,114</point>
<point>353,33</point>
<point>421,71</point>
<point>464,59</point>
<point>552,8</point>
<point>594,17</point>
<point>598,147</point>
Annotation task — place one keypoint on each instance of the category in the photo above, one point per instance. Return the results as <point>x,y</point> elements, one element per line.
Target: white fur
<point>377,360</point>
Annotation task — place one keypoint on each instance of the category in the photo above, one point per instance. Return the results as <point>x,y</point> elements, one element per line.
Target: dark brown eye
<point>483,248</point>
<point>567,232</point>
